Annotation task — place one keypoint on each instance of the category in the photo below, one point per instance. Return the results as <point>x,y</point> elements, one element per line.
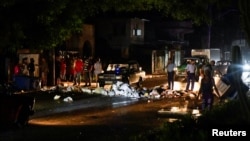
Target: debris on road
<point>120,89</point>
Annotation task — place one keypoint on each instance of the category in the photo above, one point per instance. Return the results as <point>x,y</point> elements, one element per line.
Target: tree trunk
<point>238,83</point>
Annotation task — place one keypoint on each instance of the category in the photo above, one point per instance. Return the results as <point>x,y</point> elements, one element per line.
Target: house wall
<point>136,31</point>
<point>124,35</point>
<point>83,42</point>
<point>119,34</point>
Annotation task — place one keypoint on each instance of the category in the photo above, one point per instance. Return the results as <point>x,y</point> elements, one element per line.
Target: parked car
<point>221,67</point>
<point>129,72</point>
<point>15,109</point>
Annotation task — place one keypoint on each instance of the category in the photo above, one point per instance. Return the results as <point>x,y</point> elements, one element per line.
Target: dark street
<point>120,70</point>
<point>94,118</point>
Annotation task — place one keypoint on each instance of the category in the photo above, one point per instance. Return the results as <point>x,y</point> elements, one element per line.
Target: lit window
<point>136,32</point>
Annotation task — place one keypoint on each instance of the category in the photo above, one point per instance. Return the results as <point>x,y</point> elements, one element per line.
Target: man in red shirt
<point>78,71</point>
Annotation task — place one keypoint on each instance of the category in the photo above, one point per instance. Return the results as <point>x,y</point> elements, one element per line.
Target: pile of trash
<point>122,89</point>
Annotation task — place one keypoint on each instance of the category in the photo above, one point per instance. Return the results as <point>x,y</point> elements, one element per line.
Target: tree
<point>236,71</point>
<point>40,24</point>
<point>45,24</point>
<point>236,56</point>
<point>245,17</point>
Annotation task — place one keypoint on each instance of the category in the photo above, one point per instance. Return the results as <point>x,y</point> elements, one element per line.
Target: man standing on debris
<point>190,70</point>
<point>170,72</point>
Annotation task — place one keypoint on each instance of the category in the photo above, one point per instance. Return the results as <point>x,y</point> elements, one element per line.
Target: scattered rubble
<point>68,99</point>
<point>121,89</point>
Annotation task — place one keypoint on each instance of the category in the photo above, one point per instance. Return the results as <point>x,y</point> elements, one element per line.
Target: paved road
<point>96,118</point>
<point>46,105</point>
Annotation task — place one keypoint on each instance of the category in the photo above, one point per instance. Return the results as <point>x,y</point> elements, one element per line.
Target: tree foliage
<point>44,24</point>
<point>245,16</point>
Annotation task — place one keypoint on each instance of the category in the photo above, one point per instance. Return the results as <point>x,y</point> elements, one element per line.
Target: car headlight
<point>246,67</point>
<point>118,77</point>
<point>101,76</point>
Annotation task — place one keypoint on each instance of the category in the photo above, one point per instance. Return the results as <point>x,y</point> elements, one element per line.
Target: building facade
<point>151,43</point>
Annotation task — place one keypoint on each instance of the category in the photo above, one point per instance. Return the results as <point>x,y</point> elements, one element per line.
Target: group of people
<point>28,68</point>
<point>207,83</point>
<point>65,69</point>
<point>25,67</point>
<point>74,68</point>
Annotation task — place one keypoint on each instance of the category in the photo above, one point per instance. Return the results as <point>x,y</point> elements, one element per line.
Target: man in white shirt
<point>170,71</point>
<point>97,69</point>
<point>190,69</point>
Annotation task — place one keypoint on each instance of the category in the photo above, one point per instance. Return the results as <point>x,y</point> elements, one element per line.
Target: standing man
<point>190,70</point>
<point>63,69</point>
<point>57,69</point>
<point>97,69</point>
<point>212,63</point>
<point>91,66</point>
<point>78,71</point>
<point>31,67</point>
<point>170,72</point>
<point>209,66</point>
<point>44,72</point>
<point>24,67</point>
<point>206,89</point>
<point>87,71</point>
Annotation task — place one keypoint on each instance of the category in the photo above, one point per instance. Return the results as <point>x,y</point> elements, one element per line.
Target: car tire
<point>23,117</point>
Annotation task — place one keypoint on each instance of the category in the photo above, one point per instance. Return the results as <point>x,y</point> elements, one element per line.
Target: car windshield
<point>188,60</point>
<point>112,67</point>
<point>223,63</point>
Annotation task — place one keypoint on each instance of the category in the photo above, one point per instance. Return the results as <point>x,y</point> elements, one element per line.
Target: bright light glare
<point>195,111</point>
<point>246,67</point>
<point>182,86</point>
<point>123,103</point>
<point>174,109</point>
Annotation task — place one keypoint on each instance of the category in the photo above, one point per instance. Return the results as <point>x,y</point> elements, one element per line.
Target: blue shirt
<point>191,68</point>
<point>170,67</point>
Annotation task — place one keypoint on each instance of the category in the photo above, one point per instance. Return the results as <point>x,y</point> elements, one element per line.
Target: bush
<point>226,115</point>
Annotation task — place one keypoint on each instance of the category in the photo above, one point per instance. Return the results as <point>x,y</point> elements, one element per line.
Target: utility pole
<point>54,64</point>
<point>209,26</point>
